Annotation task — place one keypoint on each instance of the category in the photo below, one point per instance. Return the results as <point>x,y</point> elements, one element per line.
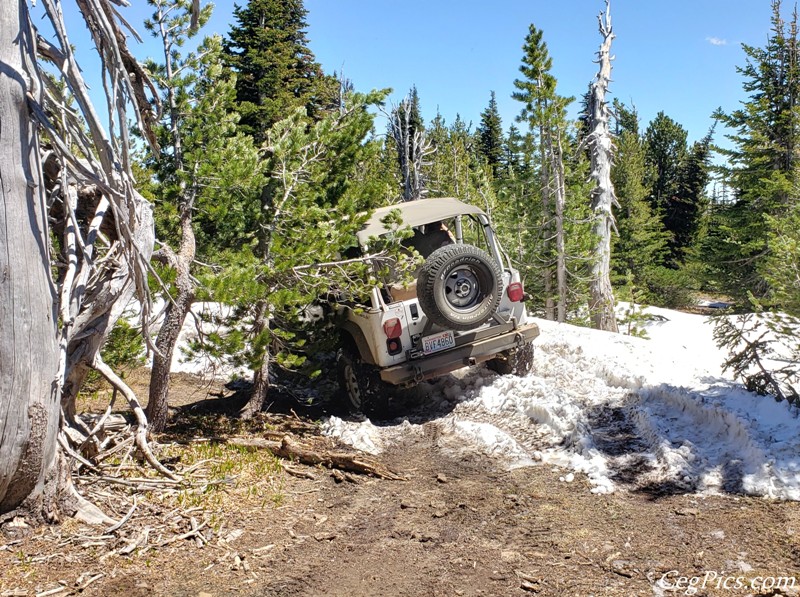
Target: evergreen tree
<point>490,136</point>
<point>513,151</point>
<point>519,206</point>
<point>782,270</point>
<point>763,164</point>
<point>625,118</point>
<point>640,244</point>
<point>456,168</point>
<point>448,170</point>
<point>585,117</point>
<point>203,163</point>
<point>309,213</point>
<point>666,153</point>
<point>579,237</point>
<point>410,111</point>
<point>276,71</point>
<point>686,212</point>
<point>544,110</point>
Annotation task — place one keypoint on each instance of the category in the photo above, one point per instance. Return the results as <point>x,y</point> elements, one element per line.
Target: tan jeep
<point>465,307</point>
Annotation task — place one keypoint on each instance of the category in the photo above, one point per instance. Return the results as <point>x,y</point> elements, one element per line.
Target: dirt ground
<point>453,527</point>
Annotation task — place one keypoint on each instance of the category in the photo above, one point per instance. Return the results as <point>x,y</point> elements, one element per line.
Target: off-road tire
<point>516,361</point>
<point>361,385</point>
<point>459,287</point>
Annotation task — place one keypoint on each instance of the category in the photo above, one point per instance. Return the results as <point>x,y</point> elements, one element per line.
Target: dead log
<point>319,456</point>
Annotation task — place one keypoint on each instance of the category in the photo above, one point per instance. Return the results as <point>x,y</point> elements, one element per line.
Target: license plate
<point>437,342</point>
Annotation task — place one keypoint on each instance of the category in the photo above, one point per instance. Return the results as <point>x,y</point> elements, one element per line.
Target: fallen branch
<point>124,519</point>
<point>294,450</point>
<point>141,419</point>
<point>81,584</point>
<point>101,421</point>
<point>193,533</point>
<point>295,472</point>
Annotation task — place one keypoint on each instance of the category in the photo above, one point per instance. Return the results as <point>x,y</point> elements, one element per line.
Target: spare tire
<point>459,287</point>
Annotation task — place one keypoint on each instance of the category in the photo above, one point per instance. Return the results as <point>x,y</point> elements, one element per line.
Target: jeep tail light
<point>515,292</point>
<point>394,346</point>
<point>392,328</point>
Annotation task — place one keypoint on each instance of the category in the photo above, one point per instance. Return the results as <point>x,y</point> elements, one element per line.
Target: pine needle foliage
<point>764,163</point>
<point>307,213</point>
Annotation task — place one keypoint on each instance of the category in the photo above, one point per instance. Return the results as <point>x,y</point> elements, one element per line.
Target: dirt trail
<point>455,527</point>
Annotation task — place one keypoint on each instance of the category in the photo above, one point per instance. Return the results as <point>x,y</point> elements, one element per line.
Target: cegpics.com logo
<point>673,581</point>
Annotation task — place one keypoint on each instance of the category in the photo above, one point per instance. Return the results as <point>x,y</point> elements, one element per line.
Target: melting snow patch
<point>620,410</point>
<point>463,437</point>
<point>362,436</point>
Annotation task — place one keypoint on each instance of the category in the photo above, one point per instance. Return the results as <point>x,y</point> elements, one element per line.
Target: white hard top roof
<point>417,213</point>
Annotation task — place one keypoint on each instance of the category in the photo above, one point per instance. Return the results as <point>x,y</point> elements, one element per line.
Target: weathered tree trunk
<point>413,147</point>
<point>176,311</point>
<point>258,397</point>
<point>556,154</point>
<point>104,304</point>
<point>601,302</point>
<point>50,331</point>
<point>29,390</point>
<point>547,227</point>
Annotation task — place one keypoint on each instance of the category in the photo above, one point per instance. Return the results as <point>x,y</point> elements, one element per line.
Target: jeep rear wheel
<point>459,287</point>
<point>517,361</point>
<point>360,383</point>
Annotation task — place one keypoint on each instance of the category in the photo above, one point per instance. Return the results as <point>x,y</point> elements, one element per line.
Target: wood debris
<point>291,449</point>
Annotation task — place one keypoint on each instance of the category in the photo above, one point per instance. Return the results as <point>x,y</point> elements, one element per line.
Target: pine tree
<point>763,164</point>
<point>686,212</point>
<point>641,241</point>
<point>456,168</point>
<point>544,110</point>
<point>625,119</point>
<point>782,268</point>
<point>579,237</point>
<point>309,213</point>
<point>276,71</point>
<point>490,136</point>
<point>410,111</point>
<point>203,164</point>
<point>666,154</point>
<point>519,206</point>
<point>513,151</point>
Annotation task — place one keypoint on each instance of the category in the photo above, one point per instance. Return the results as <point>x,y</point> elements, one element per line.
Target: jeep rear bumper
<point>437,364</point>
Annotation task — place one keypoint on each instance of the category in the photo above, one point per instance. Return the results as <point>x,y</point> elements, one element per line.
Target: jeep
<point>464,308</point>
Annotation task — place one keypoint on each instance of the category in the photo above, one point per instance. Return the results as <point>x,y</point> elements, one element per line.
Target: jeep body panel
<point>463,355</point>
<point>365,325</point>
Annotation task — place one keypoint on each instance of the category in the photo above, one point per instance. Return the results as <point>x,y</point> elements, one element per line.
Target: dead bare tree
<point>80,178</point>
<point>413,148</point>
<point>601,301</point>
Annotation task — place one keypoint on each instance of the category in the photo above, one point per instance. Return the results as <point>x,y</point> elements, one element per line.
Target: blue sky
<point>678,56</point>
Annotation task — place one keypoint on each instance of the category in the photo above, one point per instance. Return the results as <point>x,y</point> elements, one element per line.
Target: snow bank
<point>647,413</point>
<point>206,317</point>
